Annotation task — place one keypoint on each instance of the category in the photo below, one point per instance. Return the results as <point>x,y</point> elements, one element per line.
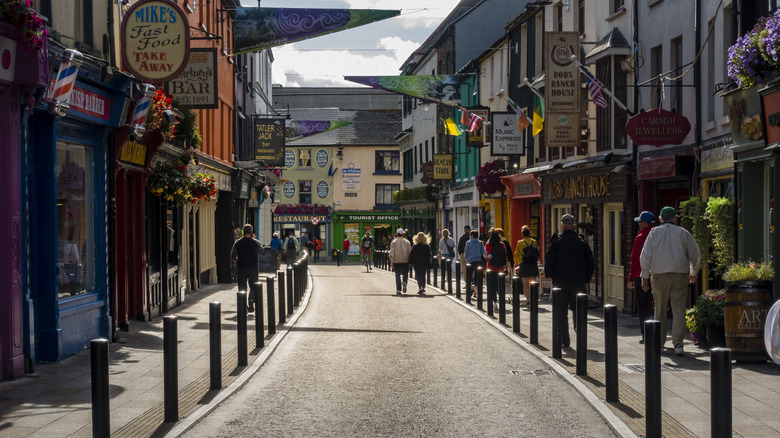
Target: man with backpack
<point>569,263</point>
<point>291,247</point>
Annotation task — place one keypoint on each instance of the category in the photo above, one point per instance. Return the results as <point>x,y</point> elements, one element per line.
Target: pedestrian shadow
<point>346,330</point>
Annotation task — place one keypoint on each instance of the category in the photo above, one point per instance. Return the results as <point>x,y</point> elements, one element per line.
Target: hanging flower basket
<point>488,178</point>
<point>203,187</point>
<point>186,127</point>
<point>755,56</point>
<point>170,182</point>
<point>156,120</point>
<point>20,14</point>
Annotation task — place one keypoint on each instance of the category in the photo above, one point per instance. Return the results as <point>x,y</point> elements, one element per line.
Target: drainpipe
<point>697,73</point>
<point>634,147</point>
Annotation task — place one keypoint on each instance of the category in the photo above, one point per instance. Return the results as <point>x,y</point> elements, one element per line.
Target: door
<point>613,255</point>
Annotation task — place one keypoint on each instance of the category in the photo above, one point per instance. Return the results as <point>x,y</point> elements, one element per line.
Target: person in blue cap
<point>642,298</point>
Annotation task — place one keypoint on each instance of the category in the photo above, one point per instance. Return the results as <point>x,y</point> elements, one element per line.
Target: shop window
<point>304,158</point>
<point>305,191</point>
<point>387,162</point>
<point>75,208</point>
<point>384,195</point>
<point>555,220</point>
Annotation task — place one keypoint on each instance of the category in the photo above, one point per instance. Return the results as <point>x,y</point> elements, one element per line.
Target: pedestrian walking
<point>420,259</point>
<point>305,242</point>
<point>642,298</point>
<point>291,247</point>
<point>346,249</point>
<point>244,255</point>
<point>366,245</point>
<point>510,261</point>
<point>276,245</point>
<point>447,246</point>
<point>474,252</point>
<point>496,261</point>
<point>670,260</point>
<point>317,249</point>
<point>569,263</point>
<point>462,245</point>
<point>399,260</point>
<point>526,258</point>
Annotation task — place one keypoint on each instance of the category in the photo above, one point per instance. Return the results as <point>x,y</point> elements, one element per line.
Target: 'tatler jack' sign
<point>658,127</point>
<point>155,40</point>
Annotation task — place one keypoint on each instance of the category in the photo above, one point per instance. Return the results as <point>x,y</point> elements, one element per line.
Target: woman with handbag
<point>526,257</point>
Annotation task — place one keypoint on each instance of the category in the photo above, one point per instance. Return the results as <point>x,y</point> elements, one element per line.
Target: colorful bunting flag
<point>469,120</point>
<point>594,87</point>
<point>440,89</point>
<point>451,127</point>
<point>538,115</point>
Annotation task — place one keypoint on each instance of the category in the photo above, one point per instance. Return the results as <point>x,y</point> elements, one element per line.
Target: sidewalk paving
<point>55,400</point>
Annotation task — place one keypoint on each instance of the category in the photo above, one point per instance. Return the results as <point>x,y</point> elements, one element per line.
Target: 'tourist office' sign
<point>155,40</point>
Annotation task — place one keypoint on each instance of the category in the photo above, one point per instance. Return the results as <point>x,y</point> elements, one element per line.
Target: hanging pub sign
<point>658,127</point>
<point>155,40</point>
<point>507,138</point>
<point>442,166</point>
<point>562,89</point>
<point>268,137</point>
<point>196,86</point>
<point>476,138</point>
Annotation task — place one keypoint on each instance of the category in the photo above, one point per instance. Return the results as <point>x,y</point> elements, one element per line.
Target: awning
<point>522,186</point>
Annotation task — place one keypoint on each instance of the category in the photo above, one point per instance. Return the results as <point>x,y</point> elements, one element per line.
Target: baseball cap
<point>645,216</point>
<point>567,219</point>
<point>668,213</point>
<point>400,231</point>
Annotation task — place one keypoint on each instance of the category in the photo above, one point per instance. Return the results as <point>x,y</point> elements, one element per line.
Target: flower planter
<point>747,305</point>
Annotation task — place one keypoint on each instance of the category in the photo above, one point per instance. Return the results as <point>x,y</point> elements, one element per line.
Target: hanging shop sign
<point>155,40</point>
<point>477,137</point>
<point>744,109</point>
<point>507,138</point>
<point>269,141</point>
<point>563,129</point>
<point>562,79</point>
<point>658,127</point>
<point>133,153</point>
<point>770,108</point>
<point>442,167</point>
<point>196,86</point>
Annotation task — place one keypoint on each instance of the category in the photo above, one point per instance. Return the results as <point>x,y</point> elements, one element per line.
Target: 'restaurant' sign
<point>196,86</point>
<point>155,40</point>
<point>658,127</point>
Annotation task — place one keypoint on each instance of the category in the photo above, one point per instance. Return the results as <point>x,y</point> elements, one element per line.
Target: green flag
<point>538,114</point>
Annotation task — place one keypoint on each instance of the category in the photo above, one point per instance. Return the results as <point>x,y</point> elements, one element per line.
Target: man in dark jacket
<point>462,246</point>
<point>569,263</point>
<point>244,255</point>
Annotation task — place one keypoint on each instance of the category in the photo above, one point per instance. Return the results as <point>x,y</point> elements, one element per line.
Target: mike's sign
<point>155,40</point>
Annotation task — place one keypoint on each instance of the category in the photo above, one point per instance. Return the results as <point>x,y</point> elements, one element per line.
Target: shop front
<point>601,200</point>
<point>665,177</point>
<point>354,225</point>
<point>67,170</point>
<point>318,226</point>
<point>525,202</point>
<point>464,200</point>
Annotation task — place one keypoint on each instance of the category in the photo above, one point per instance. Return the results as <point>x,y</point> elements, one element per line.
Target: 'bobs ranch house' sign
<point>658,127</point>
<point>155,40</point>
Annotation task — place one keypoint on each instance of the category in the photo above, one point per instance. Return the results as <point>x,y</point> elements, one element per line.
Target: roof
<point>369,127</point>
<point>613,43</point>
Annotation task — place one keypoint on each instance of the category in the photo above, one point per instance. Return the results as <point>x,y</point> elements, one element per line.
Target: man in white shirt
<point>672,257</point>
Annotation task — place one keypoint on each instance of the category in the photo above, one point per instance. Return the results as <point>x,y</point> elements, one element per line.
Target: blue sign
<point>322,189</point>
<point>289,189</point>
<point>322,158</point>
<point>289,158</point>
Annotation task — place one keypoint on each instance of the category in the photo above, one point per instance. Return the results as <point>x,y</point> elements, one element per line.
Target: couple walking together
<point>403,254</point>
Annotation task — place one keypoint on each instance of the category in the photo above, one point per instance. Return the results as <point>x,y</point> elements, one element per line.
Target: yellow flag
<point>451,127</point>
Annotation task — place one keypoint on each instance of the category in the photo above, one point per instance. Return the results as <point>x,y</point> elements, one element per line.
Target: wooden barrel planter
<point>747,305</point>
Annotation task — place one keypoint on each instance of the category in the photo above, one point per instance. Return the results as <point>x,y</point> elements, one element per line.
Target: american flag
<point>594,86</point>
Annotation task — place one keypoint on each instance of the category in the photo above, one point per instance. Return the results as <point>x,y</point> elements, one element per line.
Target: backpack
<point>530,255</point>
<point>499,255</point>
<point>290,243</point>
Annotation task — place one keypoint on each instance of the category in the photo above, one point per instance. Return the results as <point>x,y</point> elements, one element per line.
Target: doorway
<point>613,254</point>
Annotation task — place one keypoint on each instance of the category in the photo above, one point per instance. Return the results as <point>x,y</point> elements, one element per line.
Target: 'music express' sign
<point>155,40</point>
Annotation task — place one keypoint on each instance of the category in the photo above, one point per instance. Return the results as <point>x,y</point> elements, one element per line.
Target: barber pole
<point>142,109</point>
<point>66,78</point>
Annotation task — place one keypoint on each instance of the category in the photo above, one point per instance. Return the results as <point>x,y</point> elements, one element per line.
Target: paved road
<point>363,362</point>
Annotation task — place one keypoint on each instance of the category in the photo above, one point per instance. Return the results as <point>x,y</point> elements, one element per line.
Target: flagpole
<point>605,90</point>
<point>525,83</point>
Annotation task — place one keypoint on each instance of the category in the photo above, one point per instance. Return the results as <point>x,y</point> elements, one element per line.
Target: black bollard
<point>215,345</point>
<point>435,272</point>
<point>457,278</point>
<point>296,282</point>
<point>516,285</point>
<point>259,323</point>
<point>492,285</point>
<point>720,395</point>
<point>171,368</point>
<point>338,258</point>
<point>611,353</point>
<point>448,266</point>
<point>283,291</point>
<point>443,263</point>
<point>282,305</point>
<point>101,411</point>
<point>653,379</point>
<point>480,276</point>
<point>582,334</point>
<point>290,298</point>
<point>271,305</point>
<point>502,297</point>
<point>534,320</point>
<point>469,276</point>
<point>557,302</point>
<point>241,328</point>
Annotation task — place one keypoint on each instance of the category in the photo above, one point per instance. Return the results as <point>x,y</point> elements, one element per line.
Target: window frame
<point>384,187</point>
<point>381,154</point>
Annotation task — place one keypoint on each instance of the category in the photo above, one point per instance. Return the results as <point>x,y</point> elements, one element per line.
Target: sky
<point>376,49</point>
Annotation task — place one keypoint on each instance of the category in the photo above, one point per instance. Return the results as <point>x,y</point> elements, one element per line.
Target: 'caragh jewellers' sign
<point>658,127</point>
<point>155,40</point>
<point>196,86</point>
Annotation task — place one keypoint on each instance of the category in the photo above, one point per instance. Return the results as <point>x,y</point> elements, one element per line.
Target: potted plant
<point>708,315</point>
<point>748,298</point>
